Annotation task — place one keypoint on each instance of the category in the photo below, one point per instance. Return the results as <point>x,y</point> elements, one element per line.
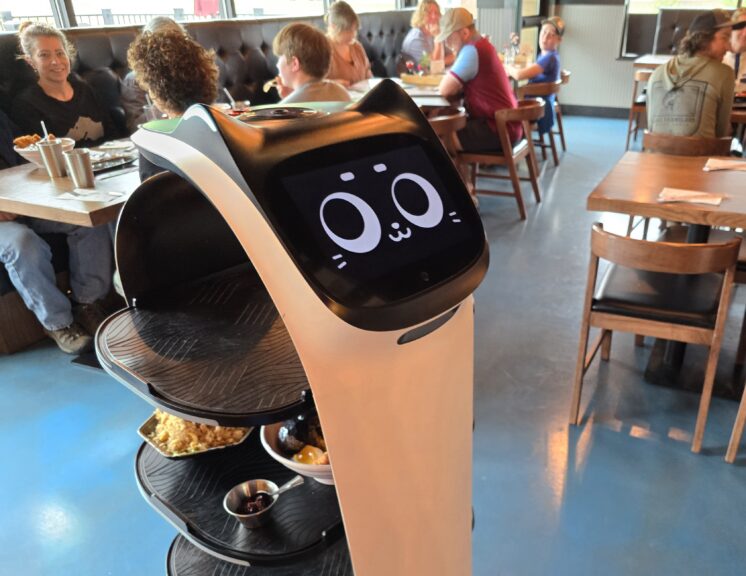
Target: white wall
<point>590,50</point>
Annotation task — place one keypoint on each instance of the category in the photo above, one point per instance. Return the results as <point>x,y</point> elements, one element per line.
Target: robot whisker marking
<point>380,167</point>
<point>346,176</point>
<point>456,220</point>
<point>341,265</point>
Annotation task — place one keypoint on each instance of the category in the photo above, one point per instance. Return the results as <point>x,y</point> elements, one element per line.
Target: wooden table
<point>28,191</point>
<point>651,60</point>
<point>633,185</point>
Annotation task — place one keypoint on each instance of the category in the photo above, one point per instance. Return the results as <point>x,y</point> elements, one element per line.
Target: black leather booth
<point>243,50</point>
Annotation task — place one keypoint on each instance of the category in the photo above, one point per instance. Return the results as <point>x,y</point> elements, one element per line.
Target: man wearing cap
<point>692,95</point>
<point>736,58</point>
<point>479,76</point>
<point>547,67</point>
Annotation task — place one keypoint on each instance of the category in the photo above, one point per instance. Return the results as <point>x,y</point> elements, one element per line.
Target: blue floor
<point>622,494</point>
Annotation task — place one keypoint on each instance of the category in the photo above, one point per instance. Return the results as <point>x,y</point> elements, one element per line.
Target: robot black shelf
<point>189,493</point>
<point>214,350</point>
<point>185,559</point>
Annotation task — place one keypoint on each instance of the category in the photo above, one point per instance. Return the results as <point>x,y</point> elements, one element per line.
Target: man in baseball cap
<point>478,76</point>
<point>692,95</point>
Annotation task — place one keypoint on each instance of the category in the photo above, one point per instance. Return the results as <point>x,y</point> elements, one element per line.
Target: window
<point>641,23</point>
<point>15,13</point>
<point>122,12</point>
<point>250,8</point>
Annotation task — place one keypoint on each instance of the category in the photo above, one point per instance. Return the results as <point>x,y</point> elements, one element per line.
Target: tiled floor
<point>621,494</point>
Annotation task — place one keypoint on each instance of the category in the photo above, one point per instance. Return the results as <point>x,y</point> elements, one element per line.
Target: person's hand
<point>7,216</point>
<point>433,28</point>
<point>282,88</point>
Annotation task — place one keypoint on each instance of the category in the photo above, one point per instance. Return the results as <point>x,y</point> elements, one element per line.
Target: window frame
<point>64,16</point>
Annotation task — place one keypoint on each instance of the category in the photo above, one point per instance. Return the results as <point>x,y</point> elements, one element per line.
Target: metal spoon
<point>289,485</point>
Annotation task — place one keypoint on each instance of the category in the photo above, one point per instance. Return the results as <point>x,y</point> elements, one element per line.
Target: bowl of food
<point>250,502</point>
<point>298,443</point>
<point>26,147</point>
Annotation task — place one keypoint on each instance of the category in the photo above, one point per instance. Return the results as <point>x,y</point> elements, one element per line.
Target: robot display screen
<point>376,221</point>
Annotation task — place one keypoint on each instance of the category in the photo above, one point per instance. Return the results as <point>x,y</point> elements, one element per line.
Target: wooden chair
<point>735,436</point>
<point>446,122</point>
<point>673,291</point>
<point>638,108</point>
<point>559,129</point>
<point>542,89</point>
<point>468,162</point>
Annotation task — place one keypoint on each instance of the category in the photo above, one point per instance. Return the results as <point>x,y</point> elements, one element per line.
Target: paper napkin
<point>720,164</point>
<point>690,196</point>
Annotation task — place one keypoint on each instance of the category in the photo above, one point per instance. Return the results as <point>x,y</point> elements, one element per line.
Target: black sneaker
<point>90,316</point>
<point>71,340</point>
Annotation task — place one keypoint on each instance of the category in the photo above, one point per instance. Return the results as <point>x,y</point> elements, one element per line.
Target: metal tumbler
<point>51,155</point>
<point>79,167</point>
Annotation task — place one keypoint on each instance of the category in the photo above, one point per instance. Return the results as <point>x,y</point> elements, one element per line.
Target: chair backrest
<point>540,88</point>
<point>643,74</point>
<point>685,145</point>
<point>528,110</point>
<point>668,257</point>
<point>446,123</point>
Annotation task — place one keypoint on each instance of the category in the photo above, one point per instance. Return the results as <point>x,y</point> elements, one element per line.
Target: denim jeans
<point>28,260</point>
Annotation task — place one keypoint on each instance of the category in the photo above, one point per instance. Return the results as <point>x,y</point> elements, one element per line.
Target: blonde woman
<point>66,104</point>
<point>421,37</point>
<point>349,63</point>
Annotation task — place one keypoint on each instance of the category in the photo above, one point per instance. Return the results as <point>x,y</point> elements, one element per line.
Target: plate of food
<point>109,162</point>
<point>424,80</point>
<point>26,147</point>
<point>175,437</point>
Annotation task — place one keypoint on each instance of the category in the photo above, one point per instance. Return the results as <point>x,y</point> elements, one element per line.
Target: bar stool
<point>559,130</point>
<point>542,89</point>
<point>638,107</point>
<point>528,111</point>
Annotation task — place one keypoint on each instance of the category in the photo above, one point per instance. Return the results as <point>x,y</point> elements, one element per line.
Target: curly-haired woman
<point>175,71</point>
<point>421,37</point>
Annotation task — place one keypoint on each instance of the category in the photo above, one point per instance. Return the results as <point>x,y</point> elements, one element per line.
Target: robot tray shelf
<point>185,559</point>
<point>189,493</point>
<point>214,350</point>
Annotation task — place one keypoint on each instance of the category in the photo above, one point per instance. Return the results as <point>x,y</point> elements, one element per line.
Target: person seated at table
<point>176,72</point>
<point>692,95</point>
<point>349,63</point>
<point>304,57</point>
<point>420,39</point>
<point>134,98</point>
<point>28,261</point>
<point>547,67</point>
<point>66,104</point>
<point>8,130</point>
<point>735,57</point>
<point>478,76</point>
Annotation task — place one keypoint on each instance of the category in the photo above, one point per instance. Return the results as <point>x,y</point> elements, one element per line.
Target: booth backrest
<point>243,50</point>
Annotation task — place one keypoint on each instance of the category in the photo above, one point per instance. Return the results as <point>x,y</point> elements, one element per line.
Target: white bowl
<point>32,154</point>
<point>320,472</point>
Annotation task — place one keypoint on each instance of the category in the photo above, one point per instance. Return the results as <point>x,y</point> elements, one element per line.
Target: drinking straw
<point>44,129</point>
<point>230,98</point>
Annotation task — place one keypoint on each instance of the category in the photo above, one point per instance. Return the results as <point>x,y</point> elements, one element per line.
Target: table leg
<point>667,356</point>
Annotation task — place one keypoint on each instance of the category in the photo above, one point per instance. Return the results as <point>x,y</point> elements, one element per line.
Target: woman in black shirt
<point>67,105</point>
